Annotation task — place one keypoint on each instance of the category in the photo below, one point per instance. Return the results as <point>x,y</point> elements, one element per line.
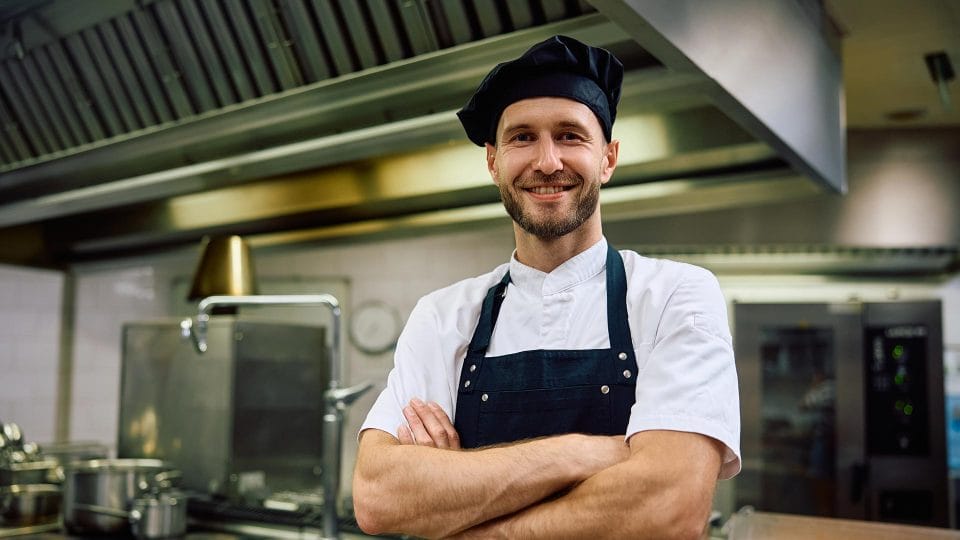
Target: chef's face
<point>549,162</point>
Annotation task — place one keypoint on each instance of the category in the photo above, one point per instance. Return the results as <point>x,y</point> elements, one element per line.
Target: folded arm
<point>434,492</point>
<point>664,490</point>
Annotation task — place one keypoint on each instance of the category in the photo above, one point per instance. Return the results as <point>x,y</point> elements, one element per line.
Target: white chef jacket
<point>686,379</point>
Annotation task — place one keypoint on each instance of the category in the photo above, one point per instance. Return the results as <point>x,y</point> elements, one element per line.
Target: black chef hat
<point>558,67</point>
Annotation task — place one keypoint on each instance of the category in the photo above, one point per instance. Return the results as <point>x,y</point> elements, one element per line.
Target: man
<point>598,387</point>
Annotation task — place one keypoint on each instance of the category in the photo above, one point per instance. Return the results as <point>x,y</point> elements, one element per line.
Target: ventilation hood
<point>138,125</point>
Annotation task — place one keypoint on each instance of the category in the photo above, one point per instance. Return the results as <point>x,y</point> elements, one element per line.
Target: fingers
<point>417,429</point>
<point>405,436</point>
<point>453,438</point>
<point>429,426</point>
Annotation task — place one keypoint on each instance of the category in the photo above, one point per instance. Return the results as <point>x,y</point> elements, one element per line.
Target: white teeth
<point>547,190</point>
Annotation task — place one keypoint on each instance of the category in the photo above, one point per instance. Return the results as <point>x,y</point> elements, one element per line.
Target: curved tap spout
<point>335,399</point>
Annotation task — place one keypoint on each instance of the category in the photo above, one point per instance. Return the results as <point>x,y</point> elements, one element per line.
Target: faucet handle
<point>346,396</point>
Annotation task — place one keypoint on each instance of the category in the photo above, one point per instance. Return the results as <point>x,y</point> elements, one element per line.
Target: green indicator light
<point>899,404</point>
<point>898,378</point>
<point>898,351</point>
<point>908,410</point>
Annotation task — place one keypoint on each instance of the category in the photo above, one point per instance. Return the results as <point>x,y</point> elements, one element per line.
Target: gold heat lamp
<point>225,269</point>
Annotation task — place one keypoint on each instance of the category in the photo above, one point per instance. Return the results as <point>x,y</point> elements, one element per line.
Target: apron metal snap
<point>626,373</point>
<point>473,367</point>
<point>622,356</point>
<point>467,384</point>
<point>604,389</point>
<point>484,397</point>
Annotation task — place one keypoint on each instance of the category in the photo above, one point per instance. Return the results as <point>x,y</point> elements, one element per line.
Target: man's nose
<point>548,157</point>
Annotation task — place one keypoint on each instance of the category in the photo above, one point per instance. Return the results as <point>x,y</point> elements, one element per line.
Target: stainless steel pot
<point>44,471</point>
<point>153,516</point>
<point>159,515</point>
<point>30,504</point>
<point>113,484</point>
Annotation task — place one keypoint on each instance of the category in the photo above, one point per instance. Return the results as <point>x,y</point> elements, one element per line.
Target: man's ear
<point>609,162</point>
<point>492,161</point>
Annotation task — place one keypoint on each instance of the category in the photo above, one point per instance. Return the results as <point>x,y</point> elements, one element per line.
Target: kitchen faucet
<point>335,399</point>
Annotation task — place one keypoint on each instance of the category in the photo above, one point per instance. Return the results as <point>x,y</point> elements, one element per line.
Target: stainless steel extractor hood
<point>145,124</point>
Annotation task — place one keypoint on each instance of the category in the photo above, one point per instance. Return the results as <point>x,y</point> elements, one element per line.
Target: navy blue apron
<point>548,392</point>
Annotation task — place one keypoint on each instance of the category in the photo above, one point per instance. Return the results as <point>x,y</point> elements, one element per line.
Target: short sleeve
<point>419,371</point>
<point>688,379</point>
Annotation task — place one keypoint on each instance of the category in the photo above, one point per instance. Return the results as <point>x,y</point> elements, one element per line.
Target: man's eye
<point>569,137</point>
<point>523,137</point>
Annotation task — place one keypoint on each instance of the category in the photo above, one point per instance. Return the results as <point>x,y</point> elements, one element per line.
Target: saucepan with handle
<point>111,484</point>
<point>154,515</point>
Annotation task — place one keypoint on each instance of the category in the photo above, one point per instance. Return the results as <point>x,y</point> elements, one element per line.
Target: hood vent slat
<point>171,60</point>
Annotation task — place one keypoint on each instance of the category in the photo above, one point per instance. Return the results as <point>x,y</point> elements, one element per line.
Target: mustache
<point>559,178</point>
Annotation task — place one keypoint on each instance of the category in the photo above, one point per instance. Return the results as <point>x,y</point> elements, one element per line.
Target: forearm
<point>431,492</point>
<point>646,496</point>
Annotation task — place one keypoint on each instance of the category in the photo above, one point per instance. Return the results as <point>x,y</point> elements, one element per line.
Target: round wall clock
<point>375,327</point>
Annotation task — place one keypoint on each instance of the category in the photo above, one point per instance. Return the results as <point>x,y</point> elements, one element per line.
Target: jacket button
<point>622,356</point>
<point>467,384</point>
<point>473,367</point>
<point>604,389</point>
<point>484,397</point>
<point>626,373</point>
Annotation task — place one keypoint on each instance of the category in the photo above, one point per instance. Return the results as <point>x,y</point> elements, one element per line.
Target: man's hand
<point>429,426</point>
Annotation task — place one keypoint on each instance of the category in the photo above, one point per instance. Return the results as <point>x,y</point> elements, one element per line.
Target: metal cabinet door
<point>801,392</point>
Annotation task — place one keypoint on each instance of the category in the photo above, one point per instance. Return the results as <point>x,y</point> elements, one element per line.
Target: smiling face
<point>549,162</point>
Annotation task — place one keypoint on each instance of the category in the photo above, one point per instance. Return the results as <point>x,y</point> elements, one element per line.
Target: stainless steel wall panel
<point>75,90</point>
<point>162,64</point>
<point>520,14</point>
<point>111,79</point>
<point>50,108</point>
<point>274,39</point>
<point>250,47</point>
<point>306,42</point>
<point>457,21</point>
<point>93,83</point>
<point>334,37</point>
<point>117,51</point>
<point>386,29</point>
<point>418,26</point>
<point>360,34</point>
<point>21,115</point>
<point>235,66</point>
<point>251,405</point>
<point>180,43</point>
<point>157,100</point>
<point>489,18</point>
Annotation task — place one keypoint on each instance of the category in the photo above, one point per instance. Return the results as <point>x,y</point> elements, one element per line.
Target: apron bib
<point>548,392</point>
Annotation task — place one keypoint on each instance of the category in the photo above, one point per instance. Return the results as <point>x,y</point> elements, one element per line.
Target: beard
<point>557,224</point>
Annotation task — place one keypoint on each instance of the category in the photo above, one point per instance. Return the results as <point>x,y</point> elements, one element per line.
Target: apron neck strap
<point>488,315</point>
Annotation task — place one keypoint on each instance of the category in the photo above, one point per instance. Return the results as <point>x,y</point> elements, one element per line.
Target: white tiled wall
<point>30,316</point>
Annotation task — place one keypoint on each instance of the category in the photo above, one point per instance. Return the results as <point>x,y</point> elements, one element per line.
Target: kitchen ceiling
<point>886,81</point>
<point>134,125</point>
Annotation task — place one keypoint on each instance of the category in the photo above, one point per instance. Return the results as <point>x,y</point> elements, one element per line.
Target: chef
<point>576,390</point>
